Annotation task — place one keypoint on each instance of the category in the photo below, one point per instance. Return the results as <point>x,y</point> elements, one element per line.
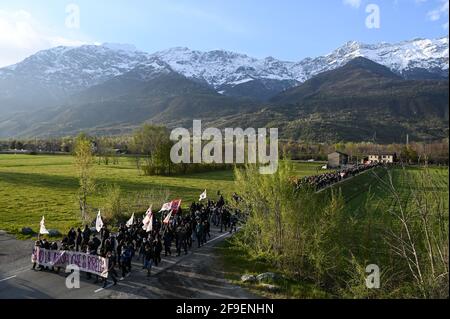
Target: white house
<point>386,158</point>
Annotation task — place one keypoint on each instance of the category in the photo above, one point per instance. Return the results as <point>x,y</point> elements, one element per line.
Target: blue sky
<point>285,29</point>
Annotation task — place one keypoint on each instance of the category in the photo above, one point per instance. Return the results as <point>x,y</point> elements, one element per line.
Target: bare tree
<point>84,161</point>
<point>421,240</point>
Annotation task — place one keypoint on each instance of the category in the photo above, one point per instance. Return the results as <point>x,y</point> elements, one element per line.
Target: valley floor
<point>32,186</point>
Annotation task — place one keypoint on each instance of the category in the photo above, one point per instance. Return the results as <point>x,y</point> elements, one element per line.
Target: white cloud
<point>21,36</point>
<point>353,3</point>
<point>434,15</point>
<point>445,26</point>
<point>440,12</point>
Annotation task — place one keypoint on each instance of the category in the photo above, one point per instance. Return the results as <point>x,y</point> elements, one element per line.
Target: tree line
<point>153,145</point>
<point>421,153</point>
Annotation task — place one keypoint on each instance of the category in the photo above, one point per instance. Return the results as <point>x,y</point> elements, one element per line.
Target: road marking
<point>221,236</point>
<point>216,238</point>
<point>18,271</point>
<point>5,279</point>
<point>103,288</point>
<point>164,260</point>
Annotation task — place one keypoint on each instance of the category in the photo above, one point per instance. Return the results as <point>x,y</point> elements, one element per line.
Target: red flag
<point>175,205</point>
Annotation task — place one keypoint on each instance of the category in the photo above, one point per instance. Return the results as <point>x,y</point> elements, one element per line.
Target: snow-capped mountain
<point>48,76</point>
<point>114,88</point>
<point>402,58</point>
<point>75,68</point>
<point>78,67</point>
<point>220,68</point>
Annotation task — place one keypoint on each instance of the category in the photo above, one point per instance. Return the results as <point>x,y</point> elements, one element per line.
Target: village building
<point>385,158</point>
<point>337,160</point>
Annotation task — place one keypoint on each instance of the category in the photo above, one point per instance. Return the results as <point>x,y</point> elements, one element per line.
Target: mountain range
<point>357,92</point>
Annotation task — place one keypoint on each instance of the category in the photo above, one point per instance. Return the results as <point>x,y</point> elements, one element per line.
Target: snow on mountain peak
<point>120,47</point>
<point>76,68</point>
<point>219,68</point>
<point>71,69</point>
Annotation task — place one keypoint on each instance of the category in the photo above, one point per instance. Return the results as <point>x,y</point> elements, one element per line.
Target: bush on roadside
<point>315,238</point>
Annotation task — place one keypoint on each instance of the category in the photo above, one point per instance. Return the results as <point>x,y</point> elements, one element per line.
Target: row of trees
<point>436,152</point>
<point>153,143</point>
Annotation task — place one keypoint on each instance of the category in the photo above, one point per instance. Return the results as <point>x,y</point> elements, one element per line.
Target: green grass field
<point>368,188</point>
<point>32,186</point>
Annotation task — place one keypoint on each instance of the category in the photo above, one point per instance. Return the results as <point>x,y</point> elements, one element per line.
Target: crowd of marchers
<point>169,236</point>
<point>322,181</point>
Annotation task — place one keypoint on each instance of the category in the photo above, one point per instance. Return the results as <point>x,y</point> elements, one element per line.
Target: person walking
<point>148,258</point>
<point>34,256</point>
<point>168,236</point>
<point>86,235</point>
<point>179,239</point>
<point>78,239</point>
<point>111,269</point>
<point>124,256</point>
<point>233,223</point>
<point>157,246</point>
<point>199,233</point>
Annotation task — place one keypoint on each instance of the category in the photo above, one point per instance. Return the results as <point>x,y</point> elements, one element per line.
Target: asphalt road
<point>196,275</point>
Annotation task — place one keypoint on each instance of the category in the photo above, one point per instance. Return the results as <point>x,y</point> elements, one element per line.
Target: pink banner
<point>61,258</point>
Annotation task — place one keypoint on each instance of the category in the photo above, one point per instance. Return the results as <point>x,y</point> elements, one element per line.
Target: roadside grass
<point>237,262</point>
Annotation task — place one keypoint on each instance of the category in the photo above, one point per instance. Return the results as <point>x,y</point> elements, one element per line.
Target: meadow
<point>32,186</point>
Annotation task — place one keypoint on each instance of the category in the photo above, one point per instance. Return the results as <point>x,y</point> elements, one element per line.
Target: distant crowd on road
<point>322,181</point>
<point>134,242</point>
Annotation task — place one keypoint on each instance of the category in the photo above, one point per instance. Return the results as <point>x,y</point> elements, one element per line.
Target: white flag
<point>167,219</point>
<point>99,222</point>
<point>148,220</point>
<point>149,227</point>
<point>147,215</point>
<point>202,196</point>
<point>166,206</point>
<point>130,222</point>
<point>43,230</point>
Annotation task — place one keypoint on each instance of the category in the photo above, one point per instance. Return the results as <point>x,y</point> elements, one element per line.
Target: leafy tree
<point>84,161</point>
<point>113,208</point>
<point>294,230</point>
<point>409,155</point>
<point>154,143</point>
